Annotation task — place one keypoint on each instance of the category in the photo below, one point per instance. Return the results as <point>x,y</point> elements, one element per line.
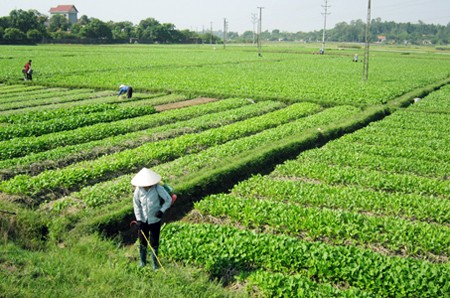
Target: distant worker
<point>126,89</point>
<point>321,52</point>
<point>355,58</point>
<point>27,71</point>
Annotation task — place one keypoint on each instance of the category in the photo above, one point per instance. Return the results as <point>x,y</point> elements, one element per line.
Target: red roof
<point>63,8</point>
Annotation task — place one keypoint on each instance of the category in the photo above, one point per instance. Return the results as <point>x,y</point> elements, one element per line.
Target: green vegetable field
<point>295,178</point>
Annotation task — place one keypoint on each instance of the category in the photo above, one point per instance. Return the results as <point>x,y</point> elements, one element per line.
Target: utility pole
<point>225,28</point>
<point>325,13</point>
<point>365,75</point>
<point>210,31</point>
<point>254,21</point>
<point>259,31</point>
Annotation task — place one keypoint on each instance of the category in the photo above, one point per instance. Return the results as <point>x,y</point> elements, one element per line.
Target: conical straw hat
<point>145,177</point>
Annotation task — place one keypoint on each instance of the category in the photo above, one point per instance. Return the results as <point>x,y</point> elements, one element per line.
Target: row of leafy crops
<point>83,151</point>
<point>365,215</point>
<point>99,98</point>
<point>14,89</point>
<point>354,270</point>
<point>213,157</point>
<point>22,146</point>
<point>56,113</point>
<point>437,102</point>
<point>37,128</point>
<point>37,102</point>
<point>49,98</point>
<point>338,227</point>
<point>26,95</point>
<point>86,172</point>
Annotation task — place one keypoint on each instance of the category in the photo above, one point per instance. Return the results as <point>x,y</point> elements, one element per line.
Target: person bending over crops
<point>126,89</point>
<point>149,209</point>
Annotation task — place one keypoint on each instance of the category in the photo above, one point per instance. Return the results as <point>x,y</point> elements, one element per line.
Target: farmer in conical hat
<point>150,201</point>
<point>125,89</point>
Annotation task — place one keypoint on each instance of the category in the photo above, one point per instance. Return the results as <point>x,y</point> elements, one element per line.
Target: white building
<point>69,11</point>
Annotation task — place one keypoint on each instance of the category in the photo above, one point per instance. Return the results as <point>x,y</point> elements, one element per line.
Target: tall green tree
<point>84,20</point>
<point>96,29</point>
<point>122,30</point>
<point>166,33</point>
<point>187,36</point>
<point>14,34</point>
<point>27,20</point>
<point>4,22</point>
<point>34,35</point>
<point>147,29</point>
<point>58,22</point>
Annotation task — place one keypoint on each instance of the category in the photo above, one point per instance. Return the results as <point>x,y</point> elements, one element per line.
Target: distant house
<point>69,11</point>
<point>381,38</point>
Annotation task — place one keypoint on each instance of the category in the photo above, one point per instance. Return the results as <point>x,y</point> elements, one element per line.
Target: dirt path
<point>185,103</point>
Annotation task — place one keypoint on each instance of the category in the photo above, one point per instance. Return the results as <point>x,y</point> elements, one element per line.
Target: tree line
<point>31,26</point>
<point>380,31</point>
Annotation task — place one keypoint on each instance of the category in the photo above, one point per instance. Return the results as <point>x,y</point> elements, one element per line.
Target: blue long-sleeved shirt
<point>123,90</point>
<point>147,203</point>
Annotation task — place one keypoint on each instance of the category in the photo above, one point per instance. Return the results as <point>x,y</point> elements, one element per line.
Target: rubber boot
<point>154,259</point>
<point>143,256</point>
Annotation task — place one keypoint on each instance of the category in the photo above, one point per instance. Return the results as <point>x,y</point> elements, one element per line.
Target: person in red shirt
<point>27,71</point>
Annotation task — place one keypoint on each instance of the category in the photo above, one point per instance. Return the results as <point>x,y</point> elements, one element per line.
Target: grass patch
<point>25,227</point>
<point>93,267</point>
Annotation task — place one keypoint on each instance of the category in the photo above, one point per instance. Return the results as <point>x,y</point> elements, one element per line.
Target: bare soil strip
<point>185,103</point>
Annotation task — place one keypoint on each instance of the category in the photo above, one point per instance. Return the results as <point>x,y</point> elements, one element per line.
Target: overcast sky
<point>285,15</point>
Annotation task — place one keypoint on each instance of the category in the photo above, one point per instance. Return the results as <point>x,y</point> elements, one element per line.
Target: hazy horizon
<point>284,15</point>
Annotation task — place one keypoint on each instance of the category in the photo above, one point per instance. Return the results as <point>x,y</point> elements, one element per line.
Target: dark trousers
<point>154,231</point>
<point>130,92</point>
<point>27,75</point>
